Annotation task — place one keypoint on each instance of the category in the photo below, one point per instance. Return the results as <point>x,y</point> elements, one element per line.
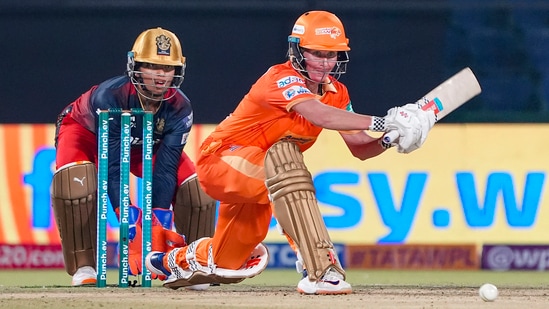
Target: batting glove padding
<point>412,123</point>
<point>397,118</point>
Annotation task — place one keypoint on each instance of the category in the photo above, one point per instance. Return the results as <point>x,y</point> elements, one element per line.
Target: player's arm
<point>114,162</point>
<point>167,160</point>
<point>332,118</point>
<point>165,173</point>
<point>362,145</point>
<point>407,120</point>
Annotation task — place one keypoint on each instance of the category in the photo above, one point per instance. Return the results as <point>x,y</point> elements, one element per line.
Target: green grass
<point>417,278</point>
<point>53,278</point>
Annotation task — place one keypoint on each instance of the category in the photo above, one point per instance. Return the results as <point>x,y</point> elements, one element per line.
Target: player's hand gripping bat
<point>446,97</point>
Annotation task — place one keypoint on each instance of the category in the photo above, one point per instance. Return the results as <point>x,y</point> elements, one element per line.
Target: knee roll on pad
<point>194,211</point>
<point>74,195</point>
<point>296,209</point>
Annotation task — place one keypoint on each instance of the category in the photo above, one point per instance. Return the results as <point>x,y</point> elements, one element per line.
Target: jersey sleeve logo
<point>294,91</point>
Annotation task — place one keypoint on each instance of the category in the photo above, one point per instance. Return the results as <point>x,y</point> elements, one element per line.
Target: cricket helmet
<point>318,30</point>
<point>156,46</point>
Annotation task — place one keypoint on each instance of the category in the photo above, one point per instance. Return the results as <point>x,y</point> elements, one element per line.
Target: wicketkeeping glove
<point>163,238</point>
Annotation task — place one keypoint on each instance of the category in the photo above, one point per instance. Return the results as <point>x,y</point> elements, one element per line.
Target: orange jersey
<point>265,116</point>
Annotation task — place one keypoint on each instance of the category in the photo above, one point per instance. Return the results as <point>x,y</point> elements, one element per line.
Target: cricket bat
<point>446,97</point>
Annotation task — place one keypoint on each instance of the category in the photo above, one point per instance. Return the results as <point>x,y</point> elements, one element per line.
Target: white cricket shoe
<point>198,287</point>
<point>332,282</point>
<point>84,276</point>
<point>154,263</point>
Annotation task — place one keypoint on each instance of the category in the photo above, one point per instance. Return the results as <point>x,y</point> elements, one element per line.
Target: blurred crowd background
<point>54,50</point>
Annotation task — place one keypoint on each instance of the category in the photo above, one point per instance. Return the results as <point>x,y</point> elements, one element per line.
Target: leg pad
<point>292,193</point>
<point>194,211</point>
<point>74,193</point>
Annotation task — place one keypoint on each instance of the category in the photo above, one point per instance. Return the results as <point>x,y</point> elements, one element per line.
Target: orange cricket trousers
<point>235,177</point>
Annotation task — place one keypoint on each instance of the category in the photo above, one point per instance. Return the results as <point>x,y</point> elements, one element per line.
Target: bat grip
<point>390,136</point>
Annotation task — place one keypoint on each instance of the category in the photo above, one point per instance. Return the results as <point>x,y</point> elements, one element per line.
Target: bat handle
<point>390,137</point>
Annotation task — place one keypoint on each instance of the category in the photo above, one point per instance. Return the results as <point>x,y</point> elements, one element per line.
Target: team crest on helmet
<point>163,45</point>
<point>333,32</point>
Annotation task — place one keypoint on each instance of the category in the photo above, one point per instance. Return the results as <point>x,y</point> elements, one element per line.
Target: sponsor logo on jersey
<point>293,91</point>
<point>159,129</point>
<point>285,81</point>
<point>184,138</point>
<point>189,120</point>
<point>296,139</point>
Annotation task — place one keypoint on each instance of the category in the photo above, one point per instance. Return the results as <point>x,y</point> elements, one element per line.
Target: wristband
<point>378,124</point>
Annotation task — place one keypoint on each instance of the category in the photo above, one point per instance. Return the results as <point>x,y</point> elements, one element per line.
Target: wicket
<point>102,194</point>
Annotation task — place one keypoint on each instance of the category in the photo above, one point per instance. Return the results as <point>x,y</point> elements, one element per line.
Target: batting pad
<point>292,193</point>
<point>194,211</point>
<point>73,194</point>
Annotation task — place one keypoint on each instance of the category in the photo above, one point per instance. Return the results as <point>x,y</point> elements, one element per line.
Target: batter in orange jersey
<point>293,101</point>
